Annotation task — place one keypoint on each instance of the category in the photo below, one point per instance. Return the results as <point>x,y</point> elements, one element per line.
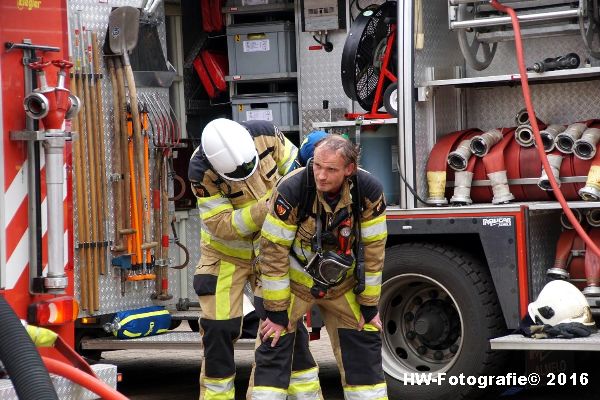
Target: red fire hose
<point>536,131</point>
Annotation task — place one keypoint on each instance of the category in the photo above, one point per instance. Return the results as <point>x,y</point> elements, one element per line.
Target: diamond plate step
<point>171,340</point>
<point>184,315</point>
<point>519,342</point>
<point>66,389</point>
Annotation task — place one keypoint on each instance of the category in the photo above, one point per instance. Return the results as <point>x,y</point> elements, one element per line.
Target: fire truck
<point>103,103</point>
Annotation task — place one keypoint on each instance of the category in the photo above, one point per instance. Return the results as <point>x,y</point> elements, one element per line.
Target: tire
<point>390,99</point>
<point>428,293</point>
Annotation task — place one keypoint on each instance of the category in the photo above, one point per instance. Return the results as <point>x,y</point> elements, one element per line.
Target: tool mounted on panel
<point>569,61</point>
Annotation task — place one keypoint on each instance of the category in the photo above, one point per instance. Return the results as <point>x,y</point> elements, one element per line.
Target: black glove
<point>569,330</point>
<point>565,331</point>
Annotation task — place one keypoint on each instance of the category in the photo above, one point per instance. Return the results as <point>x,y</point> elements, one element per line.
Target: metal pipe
<point>56,280</point>
<point>524,18</point>
<point>566,139</point>
<point>585,147</point>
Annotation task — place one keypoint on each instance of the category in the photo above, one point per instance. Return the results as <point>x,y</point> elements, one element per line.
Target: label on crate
<point>259,115</point>
<point>251,46</point>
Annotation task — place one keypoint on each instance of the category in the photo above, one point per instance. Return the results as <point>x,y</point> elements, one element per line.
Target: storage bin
<point>279,108</point>
<point>261,48</point>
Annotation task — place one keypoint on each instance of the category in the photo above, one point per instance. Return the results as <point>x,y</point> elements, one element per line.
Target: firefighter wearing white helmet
<point>232,174</point>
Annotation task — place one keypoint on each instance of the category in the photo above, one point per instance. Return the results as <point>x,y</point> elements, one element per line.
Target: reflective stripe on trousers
<point>371,392</point>
<point>304,385</point>
<point>268,393</point>
<point>219,388</point>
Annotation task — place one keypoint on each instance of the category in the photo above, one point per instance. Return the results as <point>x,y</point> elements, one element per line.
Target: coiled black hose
<point>22,360</point>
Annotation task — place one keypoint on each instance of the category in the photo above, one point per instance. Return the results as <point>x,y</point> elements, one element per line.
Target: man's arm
<point>374,234</point>
<point>217,214</point>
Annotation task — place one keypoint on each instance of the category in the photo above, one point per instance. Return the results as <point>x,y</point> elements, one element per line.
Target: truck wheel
<point>438,309</point>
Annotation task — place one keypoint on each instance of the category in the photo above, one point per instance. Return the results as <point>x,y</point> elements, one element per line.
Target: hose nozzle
<point>524,135</point>
<point>585,147</point>
<point>549,135</point>
<point>459,158</point>
<point>565,140</point>
<point>481,144</point>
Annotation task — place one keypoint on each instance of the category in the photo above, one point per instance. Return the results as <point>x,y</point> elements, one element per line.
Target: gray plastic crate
<point>279,108</point>
<point>261,48</point>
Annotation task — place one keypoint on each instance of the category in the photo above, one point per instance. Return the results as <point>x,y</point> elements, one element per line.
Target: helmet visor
<point>242,171</point>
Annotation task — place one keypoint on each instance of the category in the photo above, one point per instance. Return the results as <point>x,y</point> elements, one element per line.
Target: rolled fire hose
<point>555,159</point>
<point>565,140</point>
<point>591,190</point>
<point>536,131</point>
<point>436,166</point>
<point>561,256</point>
<point>592,267</point>
<point>462,184</point>
<point>496,170</point>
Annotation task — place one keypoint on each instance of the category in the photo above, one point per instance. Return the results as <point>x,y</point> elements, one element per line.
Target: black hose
<point>22,360</point>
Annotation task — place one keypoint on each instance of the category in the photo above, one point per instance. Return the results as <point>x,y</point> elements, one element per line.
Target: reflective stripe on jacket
<point>232,212</point>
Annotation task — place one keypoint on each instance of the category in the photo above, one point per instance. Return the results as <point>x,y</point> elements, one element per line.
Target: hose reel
<point>480,27</point>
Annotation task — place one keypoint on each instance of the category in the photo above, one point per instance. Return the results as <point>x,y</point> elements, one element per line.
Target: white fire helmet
<point>560,302</point>
<point>229,148</point>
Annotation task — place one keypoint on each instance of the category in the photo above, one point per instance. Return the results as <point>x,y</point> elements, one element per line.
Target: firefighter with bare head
<point>232,174</point>
<point>322,244</point>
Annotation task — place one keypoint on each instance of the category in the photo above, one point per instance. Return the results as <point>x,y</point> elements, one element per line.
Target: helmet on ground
<point>560,302</point>
<point>230,149</point>
<point>307,147</point>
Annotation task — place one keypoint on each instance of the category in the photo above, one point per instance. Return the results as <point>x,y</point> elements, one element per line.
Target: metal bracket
<point>424,93</point>
<point>38,136</point>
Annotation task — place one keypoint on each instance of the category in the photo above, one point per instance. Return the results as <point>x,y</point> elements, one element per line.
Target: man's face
<point>330,170</point>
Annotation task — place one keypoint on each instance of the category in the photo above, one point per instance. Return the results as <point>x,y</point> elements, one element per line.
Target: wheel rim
<point>394,99</point>
<point>422,326</point>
